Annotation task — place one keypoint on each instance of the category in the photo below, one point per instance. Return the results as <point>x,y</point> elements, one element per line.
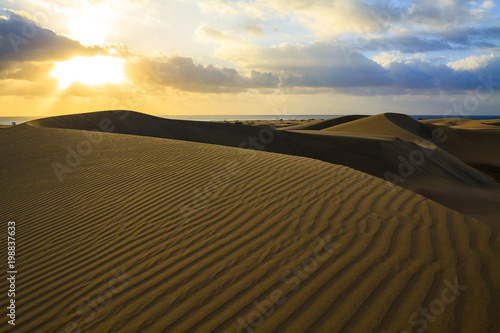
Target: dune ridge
<point>118,213</point>
<point>441,177</point>
<point>324,124</point>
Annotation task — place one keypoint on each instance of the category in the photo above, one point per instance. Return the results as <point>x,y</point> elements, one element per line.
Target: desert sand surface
<point>158,225</point>
<point>464,123</point>
<point>406,153</point>
<point>475,142</point>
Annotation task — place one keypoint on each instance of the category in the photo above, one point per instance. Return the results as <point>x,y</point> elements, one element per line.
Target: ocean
<point>21,119</point>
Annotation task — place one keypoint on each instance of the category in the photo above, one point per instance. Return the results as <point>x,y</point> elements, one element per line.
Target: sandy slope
<point>391,124</point>
<point>440,177</point>
<point>116,215</point>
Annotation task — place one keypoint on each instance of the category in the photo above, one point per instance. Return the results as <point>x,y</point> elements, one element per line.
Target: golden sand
<point>158,227</point>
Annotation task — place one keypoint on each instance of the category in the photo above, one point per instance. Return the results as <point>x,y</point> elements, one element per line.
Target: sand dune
<point>462,123</point>
<point>109,250</point>
<point>390,124</point>
<point>474,142</point>
<point>322,124</point>
<point>438,176</point>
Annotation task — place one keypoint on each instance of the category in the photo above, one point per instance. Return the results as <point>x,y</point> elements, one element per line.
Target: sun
<point>89,70</point>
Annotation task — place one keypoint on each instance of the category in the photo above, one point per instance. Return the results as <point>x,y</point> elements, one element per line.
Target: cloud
<point>418,74</point>
<point>488,4</point>
<point>409,75</point>
<point>27,53</point>
<point>22,39</point>
<point>209,34</point>
<point>471,63</point>
<point>182,73</point>
<point>473,37</point>
<point>459,39</point>
<point>368,18</point>
<point>405,44</point>
<point>218,8</point>
<point>321,64</point>
<point>327,65</point>
<point>330,18</point>
<point>443,15</point>
<point>327,18</point>
<point>12,87</point>
<point>114,5</point>
<point>26,71</point>
<point>225,9</point>
<point>252,27</point>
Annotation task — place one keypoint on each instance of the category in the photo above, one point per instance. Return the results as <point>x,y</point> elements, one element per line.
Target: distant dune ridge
<point>166,225</point>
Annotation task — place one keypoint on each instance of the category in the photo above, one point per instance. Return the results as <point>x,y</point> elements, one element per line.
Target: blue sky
<point>253,57</point>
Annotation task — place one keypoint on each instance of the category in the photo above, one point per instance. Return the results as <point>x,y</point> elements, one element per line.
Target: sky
<point>250,57</point>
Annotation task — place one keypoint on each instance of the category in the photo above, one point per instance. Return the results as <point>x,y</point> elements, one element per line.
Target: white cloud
<point>385,59</point>
<point>488,4</point>
<point>471,63</point>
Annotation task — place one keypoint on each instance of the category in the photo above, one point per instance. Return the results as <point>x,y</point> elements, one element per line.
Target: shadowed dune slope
<point>440,176</point>
<point>126,243</point>
<point>472,143</point>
